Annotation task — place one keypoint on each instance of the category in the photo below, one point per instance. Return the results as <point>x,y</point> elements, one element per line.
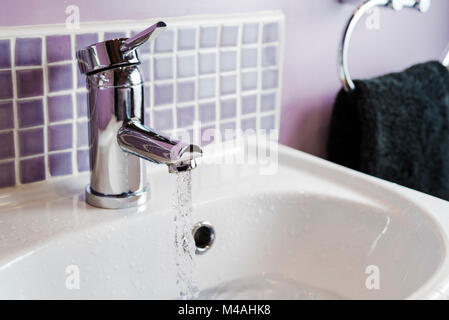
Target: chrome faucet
<point>119,139</point>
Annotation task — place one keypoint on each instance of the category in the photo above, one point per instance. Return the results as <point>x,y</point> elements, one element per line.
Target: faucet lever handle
<point>148,34</point>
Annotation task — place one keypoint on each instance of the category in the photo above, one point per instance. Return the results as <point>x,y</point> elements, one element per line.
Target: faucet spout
<point>135,138</point>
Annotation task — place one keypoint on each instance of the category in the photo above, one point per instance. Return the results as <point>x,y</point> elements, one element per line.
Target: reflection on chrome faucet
<point>119,139</point>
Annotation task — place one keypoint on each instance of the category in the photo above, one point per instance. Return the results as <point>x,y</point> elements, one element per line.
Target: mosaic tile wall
<point>222,71</point>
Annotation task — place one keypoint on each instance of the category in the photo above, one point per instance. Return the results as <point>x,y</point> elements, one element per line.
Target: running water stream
<point>184,243</point>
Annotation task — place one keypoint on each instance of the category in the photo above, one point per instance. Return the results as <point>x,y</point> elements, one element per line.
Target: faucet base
<point>120,201</point>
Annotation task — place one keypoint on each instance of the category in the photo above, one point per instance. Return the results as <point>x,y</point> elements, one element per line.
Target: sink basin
<point>309,221</point>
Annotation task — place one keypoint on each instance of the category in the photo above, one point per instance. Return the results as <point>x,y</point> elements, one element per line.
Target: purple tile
<point>268,102</point>
<point>7,145</point>
<point>30,83</point>
<point>186,66</point>
<point>82,129</point>
<point>59,48</point>
<point>32,170</point>
<point>249,58</point>
<point>227,131</point>
<point>249,104</point>
<point>163,68</point>
<point>229,36</point>
<point>147,118</point>
<point>5,85</point>
<point>60,137</point>
<point>249,80</point>
<point>7,174</point>
<point>114,35</point>
<point>228,60</point>
<point>270,32</point>
<point>208,37</point>
<point>269,79</point>
<point>85,40</point>
<point>31,113</point>
<point>207,112</point>
<point>6,116</point>
<point>206,87</point>
<point>186,39</point>
<point>81,79</point>
<point>82,41</point>
<point>163,119</point>
<point>60,108</point>
<point>29,52</point>
<point>228,108</point>
<point>31,142</point>
<point>60,77</point>
<point>5,54</point>
<point>146,96</point>
<point>228,84</point>
<point>145,68</point>
<point>82,158</point>
<point>267,123</point>
<point>186,91</point>
<point>164,42</point>
<point>60,164</point>
<point>250,33</point>
<point>163,94</point>
<point>207,63</point>
<point>185,116</point>
<point>249,125</point>
<point>81,99</point>
<point>269,56</point>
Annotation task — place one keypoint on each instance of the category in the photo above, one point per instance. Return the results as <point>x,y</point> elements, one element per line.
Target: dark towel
<point>396,127</point>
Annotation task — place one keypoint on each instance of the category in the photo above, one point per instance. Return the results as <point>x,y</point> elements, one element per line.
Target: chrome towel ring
<point>343,70</point>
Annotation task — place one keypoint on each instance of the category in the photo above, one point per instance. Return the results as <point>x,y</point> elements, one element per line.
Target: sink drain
<point>204,236</point>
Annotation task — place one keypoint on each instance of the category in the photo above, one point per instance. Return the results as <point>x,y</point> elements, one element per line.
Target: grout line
<point>175,79</point>
<point>15,113</point>
<point>152,86</point>
<point>217,86</point>
<point>259,75</point>
<point>75,111</point>
<point>280,61</point>
<point>238,66</point>
<point>197,128</point>
<point>46,110</point>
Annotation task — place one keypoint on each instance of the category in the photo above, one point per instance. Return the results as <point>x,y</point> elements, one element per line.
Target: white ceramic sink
<point>311,221</point>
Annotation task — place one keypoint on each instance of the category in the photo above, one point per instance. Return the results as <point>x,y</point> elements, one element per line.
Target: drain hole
<point>204,236</point>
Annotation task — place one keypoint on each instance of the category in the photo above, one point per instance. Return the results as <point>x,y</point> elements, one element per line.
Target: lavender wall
<point>312,35</point>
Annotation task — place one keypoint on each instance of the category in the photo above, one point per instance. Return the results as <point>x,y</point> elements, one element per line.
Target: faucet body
<point>115,97</point>
<point>119,140</point>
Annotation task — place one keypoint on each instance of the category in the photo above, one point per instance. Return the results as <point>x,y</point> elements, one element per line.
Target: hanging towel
<point>396,127</point>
